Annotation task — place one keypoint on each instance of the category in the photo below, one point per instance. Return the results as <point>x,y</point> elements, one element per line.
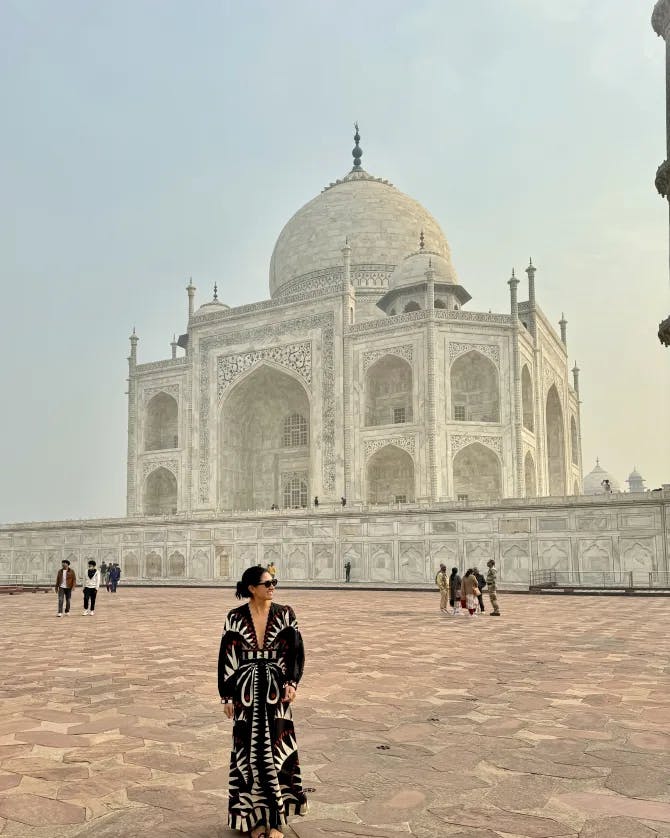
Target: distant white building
<point>593,481</point>
<point>364,376</point>
<point>636,481</point>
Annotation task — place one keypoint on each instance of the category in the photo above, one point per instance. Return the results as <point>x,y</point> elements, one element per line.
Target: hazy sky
<point>146,142</point>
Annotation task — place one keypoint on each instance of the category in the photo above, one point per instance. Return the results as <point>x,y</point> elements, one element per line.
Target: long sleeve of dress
<point>229,662</point>
<point>295,659</point>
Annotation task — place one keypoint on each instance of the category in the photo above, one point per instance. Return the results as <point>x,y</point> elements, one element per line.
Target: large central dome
<point>382,225</point>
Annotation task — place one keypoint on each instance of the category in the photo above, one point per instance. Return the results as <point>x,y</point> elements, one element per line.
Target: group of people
<point>66,582</point>
<point>111,574</point>
<point>465,595</point>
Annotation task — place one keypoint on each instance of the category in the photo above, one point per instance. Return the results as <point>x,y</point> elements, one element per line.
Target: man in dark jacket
<point>66,582</point>
<point>481,584</point>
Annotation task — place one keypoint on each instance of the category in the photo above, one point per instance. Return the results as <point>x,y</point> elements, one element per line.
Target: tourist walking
<point>491,585</point>
<point>272,570</point>
<point>469,591</point>
<point>455,591</point>
<point>261,662</point>
<point>66,582</point>
<point>442,582</point>
<point>114,576</point>
<point>91,585</point>
<point>347,571</point>
<point>481,584</point>
<point>103,570</point>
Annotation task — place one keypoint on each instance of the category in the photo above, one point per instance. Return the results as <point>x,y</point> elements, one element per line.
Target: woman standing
<point>455,591</point>
<point>260,665</point>
<point>469,591</point>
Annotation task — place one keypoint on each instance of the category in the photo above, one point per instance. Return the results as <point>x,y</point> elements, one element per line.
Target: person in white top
<point>91,585</point>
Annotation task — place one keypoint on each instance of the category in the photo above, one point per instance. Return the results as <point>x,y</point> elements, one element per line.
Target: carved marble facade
<point>364,376</point>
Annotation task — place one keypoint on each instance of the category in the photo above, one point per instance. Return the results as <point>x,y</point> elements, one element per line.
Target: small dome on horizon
<point>594,479</point>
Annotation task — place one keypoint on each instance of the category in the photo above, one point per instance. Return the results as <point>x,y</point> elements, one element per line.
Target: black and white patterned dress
<point>265,784</point>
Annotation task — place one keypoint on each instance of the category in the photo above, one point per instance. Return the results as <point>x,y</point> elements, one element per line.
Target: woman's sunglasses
<point>271,583</point>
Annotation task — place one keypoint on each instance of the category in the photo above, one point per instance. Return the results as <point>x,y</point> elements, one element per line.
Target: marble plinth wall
<point>624,533</point>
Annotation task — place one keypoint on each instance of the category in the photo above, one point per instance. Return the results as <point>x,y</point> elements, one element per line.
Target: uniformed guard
<point>491,585</point>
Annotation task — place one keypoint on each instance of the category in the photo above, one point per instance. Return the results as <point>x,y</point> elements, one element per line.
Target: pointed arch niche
<point>160,493</point>
<point>475,389</point>
<point>530,476</point>
<point>477,473</point>
<point>264,435</point>
<point>555,443</point>
<point>527,399</point>
<point>388,392</point>
<point>161,428</point>
<point>390,476</point>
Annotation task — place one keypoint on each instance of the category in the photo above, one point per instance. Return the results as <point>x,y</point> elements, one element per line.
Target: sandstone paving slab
<point>616,828</point>
<point>9,781</point>
<point>45,769</point>
<point>595,803</point>
<point>174,799</point>
<point>167,762</point>
<point>100,750</point>
<point>634,781</point>
<point>39,811</point>
<point>49,739</point>
<point>530,826</point>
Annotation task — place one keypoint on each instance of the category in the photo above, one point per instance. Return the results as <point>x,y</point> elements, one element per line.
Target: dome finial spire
<point>422,241</point>
<point>216,293</point>
<point>357,153</point>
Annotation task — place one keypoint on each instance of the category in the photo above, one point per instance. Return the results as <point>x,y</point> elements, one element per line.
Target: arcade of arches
<point>477,474</point>
<point>160,493</point>
<point>264,436</point>
<point>161,425</point>
<point>475,392</point>
<point>388,389</point>
<point>555,443</point>
<point>390,476</point>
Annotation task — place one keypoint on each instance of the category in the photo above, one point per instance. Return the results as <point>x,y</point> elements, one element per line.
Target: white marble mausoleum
<point>453,434</point>
<point>367,375</point>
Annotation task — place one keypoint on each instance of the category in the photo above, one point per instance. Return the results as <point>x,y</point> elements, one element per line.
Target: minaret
<point>131,462</point>
<point>660,21</point>
<point>519,491</point>
<point>173,344</point>
<point>532,311</point>
<point>563,323</point>
<point>575,378</point>
<point>190,290</point>
<point>132,360</point>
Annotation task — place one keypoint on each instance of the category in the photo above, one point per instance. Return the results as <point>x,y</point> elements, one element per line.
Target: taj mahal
<point>365,414</point>
<point>366,375</point>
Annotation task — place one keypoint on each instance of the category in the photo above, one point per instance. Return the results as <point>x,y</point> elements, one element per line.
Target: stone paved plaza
<point>552,721</point>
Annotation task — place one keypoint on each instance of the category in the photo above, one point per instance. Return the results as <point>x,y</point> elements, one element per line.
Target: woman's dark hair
<point>454,571</point>
<point>468,572</point>
<point>251,576</point>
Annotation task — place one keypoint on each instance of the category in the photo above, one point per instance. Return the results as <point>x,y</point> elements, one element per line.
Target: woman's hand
<point>289,694</point>
<point>229,710</point>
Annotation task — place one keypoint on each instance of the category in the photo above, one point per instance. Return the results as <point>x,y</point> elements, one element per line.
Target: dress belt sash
<point>260,655</point>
